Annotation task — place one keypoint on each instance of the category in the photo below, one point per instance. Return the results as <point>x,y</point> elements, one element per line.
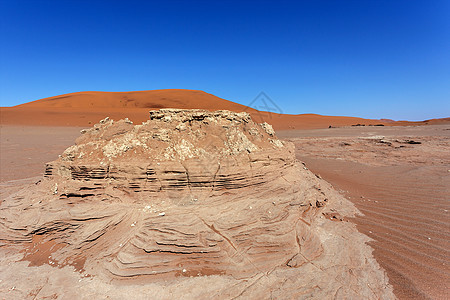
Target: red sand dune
<point>87,108</point>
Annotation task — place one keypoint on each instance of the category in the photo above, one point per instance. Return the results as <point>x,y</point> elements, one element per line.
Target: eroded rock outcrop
<point>193,193</point>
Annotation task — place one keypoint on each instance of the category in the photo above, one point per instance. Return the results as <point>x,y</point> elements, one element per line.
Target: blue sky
<point>373,59</point>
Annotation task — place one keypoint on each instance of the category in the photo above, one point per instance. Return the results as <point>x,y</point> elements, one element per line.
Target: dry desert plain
<point>397,176</point>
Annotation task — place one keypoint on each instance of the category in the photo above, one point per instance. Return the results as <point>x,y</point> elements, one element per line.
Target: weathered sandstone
<point>192,194</point>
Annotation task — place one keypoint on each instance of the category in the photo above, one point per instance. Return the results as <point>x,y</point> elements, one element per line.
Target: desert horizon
<point>87,108</point>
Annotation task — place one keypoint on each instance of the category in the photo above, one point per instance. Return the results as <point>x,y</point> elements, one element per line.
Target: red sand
<point>87,108</point>
<point>401,188</point>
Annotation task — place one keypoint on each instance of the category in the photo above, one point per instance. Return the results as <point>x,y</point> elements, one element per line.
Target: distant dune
<point>87,108</point>
<point>130,100</point>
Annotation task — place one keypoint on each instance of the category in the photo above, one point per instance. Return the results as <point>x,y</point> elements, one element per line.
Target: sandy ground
<point>403,189</point>
<point>25,149</point>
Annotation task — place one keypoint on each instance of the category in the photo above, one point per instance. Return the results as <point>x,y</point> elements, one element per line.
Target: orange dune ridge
<point>87,108</point>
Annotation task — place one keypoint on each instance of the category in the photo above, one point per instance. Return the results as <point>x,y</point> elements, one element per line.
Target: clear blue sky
<point>374,59</point>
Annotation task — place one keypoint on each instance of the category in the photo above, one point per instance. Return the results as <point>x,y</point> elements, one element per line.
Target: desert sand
<point>399,178</point>
<point>87,108</point>
<point>396,176</point>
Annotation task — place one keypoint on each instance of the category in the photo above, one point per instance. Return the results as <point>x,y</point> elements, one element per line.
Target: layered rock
<point>176,150</point>
<point>192,193</point>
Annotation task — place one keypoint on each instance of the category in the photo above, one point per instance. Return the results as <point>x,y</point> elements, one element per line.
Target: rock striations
<point>192,194</point>
<point>177,152</point>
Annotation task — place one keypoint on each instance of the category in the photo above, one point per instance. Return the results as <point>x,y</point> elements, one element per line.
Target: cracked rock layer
<point>192,193</point>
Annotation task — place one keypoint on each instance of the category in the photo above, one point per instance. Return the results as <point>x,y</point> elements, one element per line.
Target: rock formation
<point>192,195</point>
